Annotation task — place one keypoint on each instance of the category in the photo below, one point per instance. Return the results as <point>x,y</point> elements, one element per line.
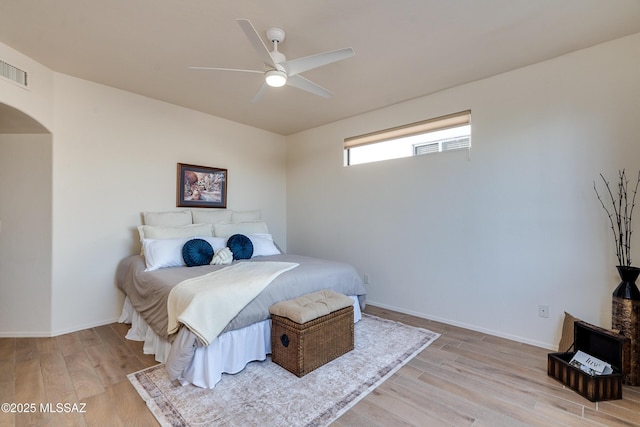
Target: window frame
<point>423,127</point>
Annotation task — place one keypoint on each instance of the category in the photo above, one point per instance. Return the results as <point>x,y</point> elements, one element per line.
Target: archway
<point>25,225</point>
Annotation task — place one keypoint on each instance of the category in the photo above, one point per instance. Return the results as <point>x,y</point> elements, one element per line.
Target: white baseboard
<point>516,338</point>
<point>49,334</point>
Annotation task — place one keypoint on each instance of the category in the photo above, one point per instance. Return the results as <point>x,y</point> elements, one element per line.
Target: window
<point>446,133</point>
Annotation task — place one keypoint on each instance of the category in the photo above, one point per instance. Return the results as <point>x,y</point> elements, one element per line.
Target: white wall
<point>25,239</point>
<point>25,234</point>
<point>114,155</point>
<point>481,242</point>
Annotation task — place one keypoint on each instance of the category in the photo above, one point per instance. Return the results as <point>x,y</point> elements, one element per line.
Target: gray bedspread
<point>149,291</point>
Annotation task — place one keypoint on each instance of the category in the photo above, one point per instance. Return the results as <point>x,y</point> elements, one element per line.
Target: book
<point>589,364</point>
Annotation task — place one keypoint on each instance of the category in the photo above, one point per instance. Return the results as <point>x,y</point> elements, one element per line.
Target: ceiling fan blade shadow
<point>300,65</point>
<point>307,85</point>
<point>261,92</point>
<point>256,41</point>
<point>226,69</point>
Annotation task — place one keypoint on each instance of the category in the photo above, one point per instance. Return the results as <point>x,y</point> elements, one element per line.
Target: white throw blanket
<point>205,304</point>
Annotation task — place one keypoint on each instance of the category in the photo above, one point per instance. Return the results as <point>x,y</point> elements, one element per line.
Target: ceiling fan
<point>278,71</point>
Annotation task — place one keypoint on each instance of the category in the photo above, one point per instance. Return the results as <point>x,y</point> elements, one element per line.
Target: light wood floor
<point>464,378</point>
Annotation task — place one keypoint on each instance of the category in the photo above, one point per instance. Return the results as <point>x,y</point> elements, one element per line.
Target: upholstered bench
<point>310,331</point>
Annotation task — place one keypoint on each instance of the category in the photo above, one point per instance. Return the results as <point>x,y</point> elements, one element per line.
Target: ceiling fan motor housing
<point>275,34</point>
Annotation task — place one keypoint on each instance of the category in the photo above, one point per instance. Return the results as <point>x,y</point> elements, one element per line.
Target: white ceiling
<point>404,48</point>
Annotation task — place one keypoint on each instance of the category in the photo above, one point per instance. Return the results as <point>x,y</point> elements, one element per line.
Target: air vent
<point>426,148</point>
<point>14,74</point>
<point>456,143</point>
<point>442,145</point>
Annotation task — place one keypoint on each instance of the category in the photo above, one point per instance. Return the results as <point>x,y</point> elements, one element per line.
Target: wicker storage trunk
<point>301,348</point>
<point>603,344</point>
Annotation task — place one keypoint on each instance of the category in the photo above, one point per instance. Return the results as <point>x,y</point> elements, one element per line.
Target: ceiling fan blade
<point>261,92</point>
<point>226,69</point>
<point>300,65</point>
<point>300,82</point>
<point>257,42</point>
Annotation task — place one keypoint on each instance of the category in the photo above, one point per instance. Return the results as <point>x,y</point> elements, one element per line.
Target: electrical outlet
<point>366,279</point>
<point>543,311</point>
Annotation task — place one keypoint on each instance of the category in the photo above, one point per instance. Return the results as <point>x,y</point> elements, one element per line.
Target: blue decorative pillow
<point>197,252</point>
<point>240,246</point>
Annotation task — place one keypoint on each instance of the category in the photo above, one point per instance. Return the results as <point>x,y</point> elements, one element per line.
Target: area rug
<point>265,394</point>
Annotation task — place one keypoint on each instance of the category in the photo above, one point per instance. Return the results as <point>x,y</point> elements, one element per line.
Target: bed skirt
<point>229,353</point>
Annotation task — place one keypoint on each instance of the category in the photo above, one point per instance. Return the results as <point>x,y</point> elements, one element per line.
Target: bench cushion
<point>311,306</point>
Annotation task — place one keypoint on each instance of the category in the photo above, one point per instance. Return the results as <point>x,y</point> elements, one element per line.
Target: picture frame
<point>201,186</point>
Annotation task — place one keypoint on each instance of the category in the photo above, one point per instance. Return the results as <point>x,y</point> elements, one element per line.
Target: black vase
<point>627,288</point>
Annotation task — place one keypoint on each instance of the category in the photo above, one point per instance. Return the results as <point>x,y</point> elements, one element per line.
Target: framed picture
<point>201,186</point>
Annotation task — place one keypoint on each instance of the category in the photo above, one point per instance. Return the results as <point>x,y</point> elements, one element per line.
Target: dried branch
<point>610,216</point>
<point>629,229</point>
<point>620,219</point>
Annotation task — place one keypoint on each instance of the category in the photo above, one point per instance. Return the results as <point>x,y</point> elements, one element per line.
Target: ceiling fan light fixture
<point>275,78</point>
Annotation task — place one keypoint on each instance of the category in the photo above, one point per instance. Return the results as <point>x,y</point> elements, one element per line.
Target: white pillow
<point>163,253</point>
<point>244,216</point>
<point>168,232</point>
<point>246,228</point>
<point>216,242</point>
<point>263,245</point>
<point>169,218</point>
<point>211,216</point>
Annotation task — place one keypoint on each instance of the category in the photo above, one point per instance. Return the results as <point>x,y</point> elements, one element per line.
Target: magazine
<point>589,364</point>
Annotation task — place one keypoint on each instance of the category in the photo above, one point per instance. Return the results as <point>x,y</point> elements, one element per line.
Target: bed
<point>151,280</point>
